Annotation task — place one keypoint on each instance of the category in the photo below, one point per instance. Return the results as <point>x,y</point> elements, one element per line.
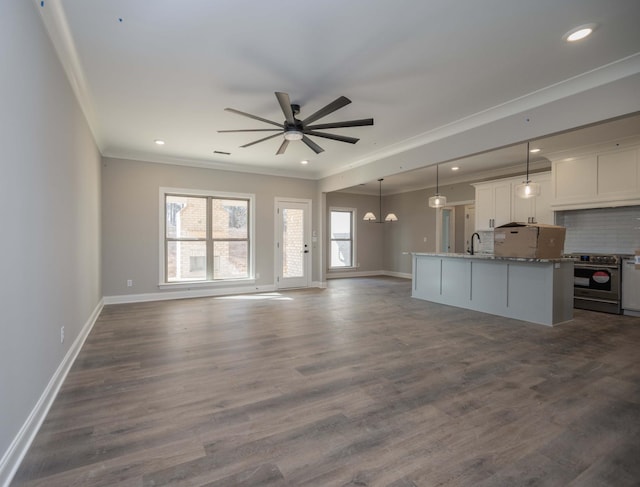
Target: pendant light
<point>438,200</point>
<point>371,217</point>
<point>527,189</point>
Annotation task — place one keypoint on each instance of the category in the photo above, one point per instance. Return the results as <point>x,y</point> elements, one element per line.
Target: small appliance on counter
<point>597,282</point>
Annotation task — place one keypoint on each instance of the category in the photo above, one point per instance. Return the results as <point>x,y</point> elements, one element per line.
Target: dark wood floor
<point>354,385</point>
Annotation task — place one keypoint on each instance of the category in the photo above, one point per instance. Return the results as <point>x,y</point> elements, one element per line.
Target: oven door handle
<point>595,266</point>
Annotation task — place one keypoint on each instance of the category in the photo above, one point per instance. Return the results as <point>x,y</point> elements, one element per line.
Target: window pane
<point>186,261</point>
<point>186,217</point>
<point>230,260</point>
<point>230,218</point>
<point>341,253</point>
<point>341,224</point>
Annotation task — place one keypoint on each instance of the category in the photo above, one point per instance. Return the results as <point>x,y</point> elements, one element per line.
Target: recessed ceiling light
<point>579,33</point>
<point>159,142</point>
<point>533,151</point>
<point>455,168</point>
<point>304,163</point>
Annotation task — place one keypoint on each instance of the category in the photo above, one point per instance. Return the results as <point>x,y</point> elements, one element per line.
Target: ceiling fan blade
<point>260,140</point>
<point>330,108</point>
<point>348,123</point>
<point>312,145</point>
<point>341,138</point>
<point>249,130</point>
<point>255,117</point>
<point>283,147</point>
<point>285,104</point>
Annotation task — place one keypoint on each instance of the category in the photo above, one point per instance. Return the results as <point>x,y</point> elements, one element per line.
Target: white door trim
<point>282,202</point>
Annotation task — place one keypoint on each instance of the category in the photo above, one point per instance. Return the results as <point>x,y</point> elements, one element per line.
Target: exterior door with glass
<point>293,243</point>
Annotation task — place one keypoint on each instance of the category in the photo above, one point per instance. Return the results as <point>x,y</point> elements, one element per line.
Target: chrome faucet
<point>476,234</point>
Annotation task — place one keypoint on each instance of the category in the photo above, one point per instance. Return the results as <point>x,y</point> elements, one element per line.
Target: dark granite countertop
<point>488,257</point>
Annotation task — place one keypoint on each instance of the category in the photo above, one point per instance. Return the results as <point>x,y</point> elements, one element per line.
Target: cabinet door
<point>523,209</point>
<point>575,180</point>
<point>542,204</point>
<point>618,174</point>
<point>502,203</point>
<point>537,209</point>
<point>484,207</point>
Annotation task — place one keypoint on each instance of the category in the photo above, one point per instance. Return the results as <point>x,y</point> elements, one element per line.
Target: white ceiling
<point>166,69</point>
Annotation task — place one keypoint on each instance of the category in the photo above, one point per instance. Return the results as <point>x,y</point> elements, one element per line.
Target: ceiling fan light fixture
<point>293,135</point>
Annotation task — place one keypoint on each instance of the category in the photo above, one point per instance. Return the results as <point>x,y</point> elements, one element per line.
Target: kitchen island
<point>534,290</point>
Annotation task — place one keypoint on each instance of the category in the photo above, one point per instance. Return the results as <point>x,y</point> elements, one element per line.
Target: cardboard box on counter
<point>529,240</point>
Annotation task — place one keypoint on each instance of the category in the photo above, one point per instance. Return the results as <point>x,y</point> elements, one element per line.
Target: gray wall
<point>50,188</point>
<point>369,236</point>
<point>385,247</point>
<point>131,217</point>
<point>416,221</point>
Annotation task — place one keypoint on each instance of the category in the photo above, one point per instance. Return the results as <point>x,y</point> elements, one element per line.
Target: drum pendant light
<point>527,189</point>
<point>438,200</point>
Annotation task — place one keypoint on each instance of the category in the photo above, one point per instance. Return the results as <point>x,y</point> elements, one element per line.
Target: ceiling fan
<point>294,129</point>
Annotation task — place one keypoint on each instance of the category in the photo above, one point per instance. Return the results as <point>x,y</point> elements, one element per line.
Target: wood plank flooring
<point>354,385</point>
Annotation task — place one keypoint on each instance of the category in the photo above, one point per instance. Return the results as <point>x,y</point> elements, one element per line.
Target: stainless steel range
<point>596,282</point>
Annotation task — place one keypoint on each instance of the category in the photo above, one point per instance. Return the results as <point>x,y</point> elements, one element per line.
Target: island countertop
<point>489,257</point>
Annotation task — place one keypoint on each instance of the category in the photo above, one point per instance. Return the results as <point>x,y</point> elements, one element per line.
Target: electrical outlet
<point>129,283</point>
<point>62,334</point>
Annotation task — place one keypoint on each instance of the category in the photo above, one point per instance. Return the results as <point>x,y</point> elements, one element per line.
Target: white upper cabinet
<point>601,179</point>
<point>497,204</point>
<point>493,204</point>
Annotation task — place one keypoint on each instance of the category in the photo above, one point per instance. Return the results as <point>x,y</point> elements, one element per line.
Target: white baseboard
<point>15,453</point>
<point>347,274</point>
<point>188,293</point>
<point>403,275</point>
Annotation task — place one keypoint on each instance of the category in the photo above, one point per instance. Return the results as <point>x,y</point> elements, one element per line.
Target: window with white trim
<point>207,237</point>
<point>342,237</point>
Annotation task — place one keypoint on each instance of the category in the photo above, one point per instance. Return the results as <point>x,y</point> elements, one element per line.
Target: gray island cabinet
<point>534,290</point>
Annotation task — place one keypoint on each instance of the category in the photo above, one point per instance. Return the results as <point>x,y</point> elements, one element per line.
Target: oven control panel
<point>601,259</point>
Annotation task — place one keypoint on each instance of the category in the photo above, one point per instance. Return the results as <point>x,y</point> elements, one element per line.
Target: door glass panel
<point>292,242</point>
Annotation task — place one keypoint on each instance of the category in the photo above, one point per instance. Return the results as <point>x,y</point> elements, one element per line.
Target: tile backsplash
<point>486,242</point>
<point>603,230</point>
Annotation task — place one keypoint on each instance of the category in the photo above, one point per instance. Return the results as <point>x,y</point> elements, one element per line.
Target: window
<point>206,237</point>
<point>342,237</point>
